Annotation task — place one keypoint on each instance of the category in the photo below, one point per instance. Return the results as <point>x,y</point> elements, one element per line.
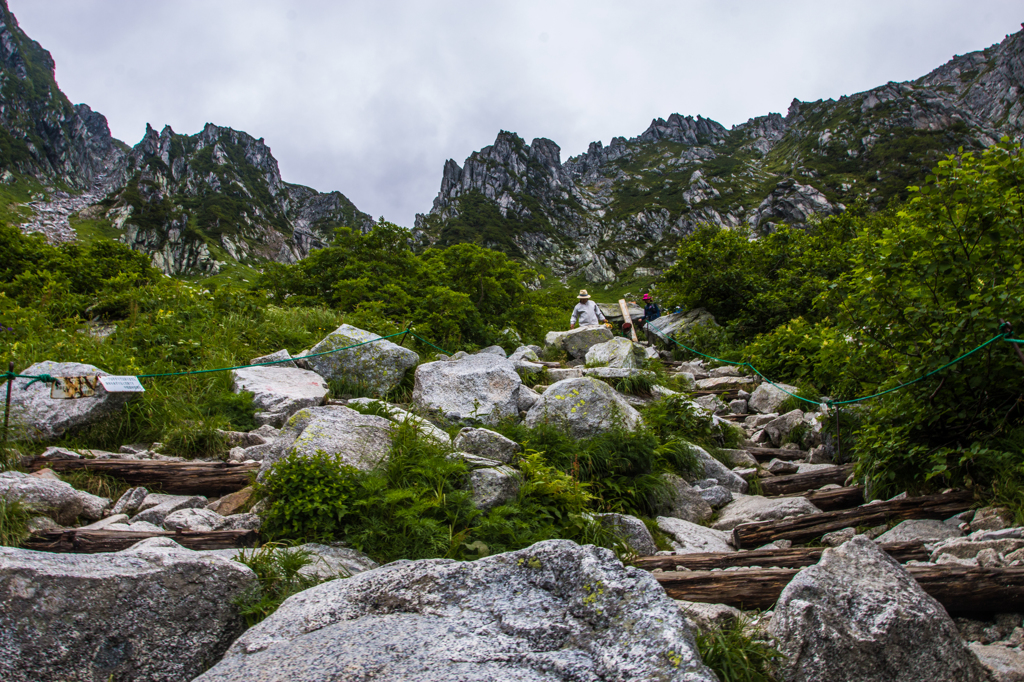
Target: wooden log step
<point>734,417</point>
<point>831,500</point>
<point>804,528</point>
<point>795,557</point>
<point>777,453</point>
<point>731,392</point>
<point>961,590</point>
<point>798,483</point>
<point>180,478</point>
<point>95,541</point>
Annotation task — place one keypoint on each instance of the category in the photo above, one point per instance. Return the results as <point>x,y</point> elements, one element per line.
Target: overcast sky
<point>371,98</point>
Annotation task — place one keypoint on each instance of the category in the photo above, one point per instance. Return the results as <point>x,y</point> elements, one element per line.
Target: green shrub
<point>308,498</point>
<point>735,656</point>
<point>14,518</point>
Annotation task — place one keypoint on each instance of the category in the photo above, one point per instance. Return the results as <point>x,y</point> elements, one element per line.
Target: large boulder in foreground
<point>37,416</point>
<point>586,406</point>
<point>482,386</point>
<point>378,366</point>
<point>553,611</point>
<point>155,611</point>
<point>858,616</point>
<point>278,390</point>
<point>57,499</point>
<point>361,440</point>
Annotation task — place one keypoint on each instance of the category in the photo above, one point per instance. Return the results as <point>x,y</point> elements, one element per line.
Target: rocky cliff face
<point>619,210</point>
<point>197,201</point>
<point>194,202</point>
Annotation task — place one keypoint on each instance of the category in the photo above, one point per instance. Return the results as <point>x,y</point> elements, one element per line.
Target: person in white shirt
<point>586,312</point>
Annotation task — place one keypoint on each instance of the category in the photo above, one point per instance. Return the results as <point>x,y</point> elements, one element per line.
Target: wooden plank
<point>960,589</point>
<point>831,500</point>
<point>626,318</point>
<point>795,557</point>
<point>777,453</point>
<point>798,483</point>
<point>803,528</point>
<point>96,541</point>
<point>182,478</point>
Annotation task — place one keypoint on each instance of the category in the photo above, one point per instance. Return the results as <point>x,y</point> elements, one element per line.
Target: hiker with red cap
<point>651,313</point>
<point>586,312</point>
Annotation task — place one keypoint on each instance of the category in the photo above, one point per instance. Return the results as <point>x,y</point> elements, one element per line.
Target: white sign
<point>127,384</point>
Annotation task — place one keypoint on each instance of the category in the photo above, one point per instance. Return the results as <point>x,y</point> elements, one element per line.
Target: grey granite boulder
<point>155,611</point>
<point>767,398</point>
<point>717,496</point>
<point>858,616</point>
<point>194,519</point>
<point>56,499</point>
<point>689,538</point>
<point>360,440</point>
<point>400,416</point>
<point>327,561</point>
<point>493,486</point>
<point>780,427</point>
<point>682,501</point>
<point>130,501</point>
<point>379,366</point>
<point>168,504</point>
<point>618,353</point>
<point>484,387</point>
<point>719,472</point>
<point>632,531</point>
<point>925,530</point>
<point>578,341</point>
<point>281,358</point>
<point>586,406</point>
<point>494,350</point>
<point>749,508</point>
<point>487,443</point>
<point>280,390</point>
<point>551,612</point>
<point>37,416</point>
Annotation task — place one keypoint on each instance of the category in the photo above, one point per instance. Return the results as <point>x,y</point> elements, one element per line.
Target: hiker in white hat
<point>586,312</point>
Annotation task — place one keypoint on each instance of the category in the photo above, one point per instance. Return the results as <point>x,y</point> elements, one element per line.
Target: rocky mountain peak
<point>685,130</point>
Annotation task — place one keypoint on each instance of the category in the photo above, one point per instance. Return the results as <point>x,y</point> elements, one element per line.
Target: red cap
<point>647,297</point>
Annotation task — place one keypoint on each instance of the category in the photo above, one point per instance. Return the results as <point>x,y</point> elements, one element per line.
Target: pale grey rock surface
<point>486,443</point>
<point>749,508</point>
<point>194,519</point>
<point>400,416</point>
<point>1002,663</point>
<point>168,504</point>
<point>578,341</point>
<point>493,486</point>
<point>717,496</point>
<point>858,616</point>
<point>780,427</point>
<point>586,406</point>
<point>36,416</point>
<point>329,561</point>
<point>689,538</point>
<point>683,501</point>
<point>360,440</point>
<point>281,358</point>
<point>618,353</point>
<point>925,530</point>
<point>56,499</point>
<point>245,521</point>
<point>781,467</point>
<point>494,350</point>
<point>527,398</point>
<point>709,616</point>
<point>726,383</point>
<point>484,387</point>
<point>155,611</point>
<point>719,472</point>
<point>380,366</point>
<point>554,611</point>
<point>282,390</point>
<point>767,398</point>
<point>632,530</point>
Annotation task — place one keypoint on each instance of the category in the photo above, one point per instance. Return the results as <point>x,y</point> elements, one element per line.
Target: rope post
<point>839,437</point>
<point>7,415</point>
<point>408,328</point>
<point>1009,335</point>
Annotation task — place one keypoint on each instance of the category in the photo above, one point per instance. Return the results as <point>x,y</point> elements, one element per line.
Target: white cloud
<point>371,98</point>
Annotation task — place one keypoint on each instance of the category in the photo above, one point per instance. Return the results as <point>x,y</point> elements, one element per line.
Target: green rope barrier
<point>854,400</point>
<point>33,378</point>
<point>417,336</point>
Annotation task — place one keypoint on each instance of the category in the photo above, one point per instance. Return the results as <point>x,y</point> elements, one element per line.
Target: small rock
<point>586,406</point>
<point>709,616</point>
<point>1003,664</point>
<point>247,521</point>
<point>632,530</point>
<point>494,350</point>
<point>487,443</point>
<point>231,503</point>
<point>925,530</point>
<point>103,523</point>
<point>750,508</point>
<point>781,467</point>
<point>193,519</point>
<point>158,513</point>
<point>689,538</point>
<point>683,501</point>
<point>991,518</point>
<point>493,487</point>
<point>717,496</point>
<point>738,406</point>
<point>56,499</point>
<point>836,538</point>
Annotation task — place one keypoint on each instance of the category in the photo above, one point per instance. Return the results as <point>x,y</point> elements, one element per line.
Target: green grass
<point>277,570</point>
<point>14,518</point>
<point>735,656</point>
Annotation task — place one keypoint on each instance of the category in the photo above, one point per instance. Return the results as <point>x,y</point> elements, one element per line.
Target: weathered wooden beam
<point>830,500</point>
<point>795,557</point>
<point>960,589</point>
<point>803,528</point>
<point>184,478</point>
<point>777,453</point>
<point>95,541</point>
<point>798,483</point>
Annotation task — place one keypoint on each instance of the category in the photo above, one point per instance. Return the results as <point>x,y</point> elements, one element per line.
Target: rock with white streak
<point>551,612</point>
<point>858,616</point>
<point>155,611</point>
